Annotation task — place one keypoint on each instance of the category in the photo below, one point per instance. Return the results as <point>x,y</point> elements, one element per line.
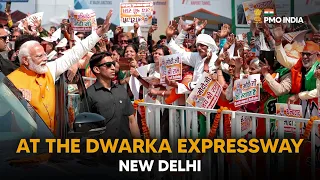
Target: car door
<point>18,120</point>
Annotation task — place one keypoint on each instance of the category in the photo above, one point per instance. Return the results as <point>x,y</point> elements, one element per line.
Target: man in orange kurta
<point>36,78</point>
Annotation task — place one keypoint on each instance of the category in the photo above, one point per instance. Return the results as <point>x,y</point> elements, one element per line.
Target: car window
<point>15,121</point>
<point>17,117</point>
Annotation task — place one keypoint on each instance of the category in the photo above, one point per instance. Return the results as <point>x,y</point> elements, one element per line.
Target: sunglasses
<point>107,64</point>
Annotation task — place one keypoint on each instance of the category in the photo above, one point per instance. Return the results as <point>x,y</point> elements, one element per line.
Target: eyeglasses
<point>4,38</point>
<point>107,64</point>
<point>307,54</point>
<point>124,41</point>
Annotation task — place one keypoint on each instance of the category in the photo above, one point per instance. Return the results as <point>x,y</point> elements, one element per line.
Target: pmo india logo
<point>268,17</point>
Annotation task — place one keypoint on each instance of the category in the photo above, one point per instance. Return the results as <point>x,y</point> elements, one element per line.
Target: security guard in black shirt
<point>111,100</point>
<point>6,66</point>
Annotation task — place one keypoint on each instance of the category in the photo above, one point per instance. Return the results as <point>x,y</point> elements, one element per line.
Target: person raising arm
<point>36,77</point>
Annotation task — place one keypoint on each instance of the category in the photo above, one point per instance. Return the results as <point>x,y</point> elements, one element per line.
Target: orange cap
<point>311,47</point>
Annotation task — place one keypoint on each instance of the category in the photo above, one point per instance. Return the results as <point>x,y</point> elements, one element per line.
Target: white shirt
<point>194,60</point>
<point>63,63</point>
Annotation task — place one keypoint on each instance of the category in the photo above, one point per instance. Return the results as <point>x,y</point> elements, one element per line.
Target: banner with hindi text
<point>136,12</point>
<point>83,20</point>
<point>206,93</point>
<point>283,109</point>
<point>246,91</point>
<point>171,67</point>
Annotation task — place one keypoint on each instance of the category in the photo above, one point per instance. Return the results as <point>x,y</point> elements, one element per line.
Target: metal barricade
<point>183,123</point>
<point>280,120</point>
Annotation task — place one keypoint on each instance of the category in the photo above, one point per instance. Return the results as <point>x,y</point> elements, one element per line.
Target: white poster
<point>101,7</point>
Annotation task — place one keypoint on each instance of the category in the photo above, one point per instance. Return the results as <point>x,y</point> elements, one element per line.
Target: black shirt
<point>115,105</point>
<point>7,66</point>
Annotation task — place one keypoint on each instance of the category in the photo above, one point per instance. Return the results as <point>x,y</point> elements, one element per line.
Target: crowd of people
<point>33,60</point>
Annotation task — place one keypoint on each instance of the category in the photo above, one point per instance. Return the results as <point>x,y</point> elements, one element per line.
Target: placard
<point>282,109</point>
<point>30,18</point>
<point>170,66</point>
<point>137,12</point>
<point>206,93</point>
<point>83,20</point>
<point>246,91</point>
<point>246,125</point>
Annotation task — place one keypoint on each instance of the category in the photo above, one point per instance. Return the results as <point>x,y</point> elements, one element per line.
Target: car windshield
<point>17,117</point>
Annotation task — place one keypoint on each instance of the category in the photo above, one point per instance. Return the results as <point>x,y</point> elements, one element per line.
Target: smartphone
<point>269,56</point>
<point>154,21</point>
<point>8,6</point>
<point>249,35</point>
<point>124,63</point>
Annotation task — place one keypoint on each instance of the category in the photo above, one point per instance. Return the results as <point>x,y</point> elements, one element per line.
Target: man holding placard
<point>202,61</point>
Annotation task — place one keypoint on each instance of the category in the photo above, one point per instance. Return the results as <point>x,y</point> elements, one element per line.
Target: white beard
<point>40,69</point>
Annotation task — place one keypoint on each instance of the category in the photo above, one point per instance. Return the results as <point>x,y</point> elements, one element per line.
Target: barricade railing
<point>280,135</point>
<point>183,123</point>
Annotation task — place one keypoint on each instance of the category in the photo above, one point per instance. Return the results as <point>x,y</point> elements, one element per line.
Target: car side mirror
<point>88,124</point>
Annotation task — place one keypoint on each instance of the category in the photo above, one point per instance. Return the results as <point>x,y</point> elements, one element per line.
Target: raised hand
<point>226,57</point>
<point>239,44</point>
<point>106,25</point>
<point>278,32</point>
<point>202,26</point>
<point>102,45</point>
<point>317,74</point>
<point>152,29</point>
<point>188,27</point>
<point>36,22</point>
<point>170,31</point>
<point>265,68</point>
<point>118,30</point>
<point>230,41</point>
<point>8,12</point>
<point>239,62</point>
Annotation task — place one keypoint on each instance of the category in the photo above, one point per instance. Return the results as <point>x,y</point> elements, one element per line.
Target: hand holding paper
<point>278,33</point>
